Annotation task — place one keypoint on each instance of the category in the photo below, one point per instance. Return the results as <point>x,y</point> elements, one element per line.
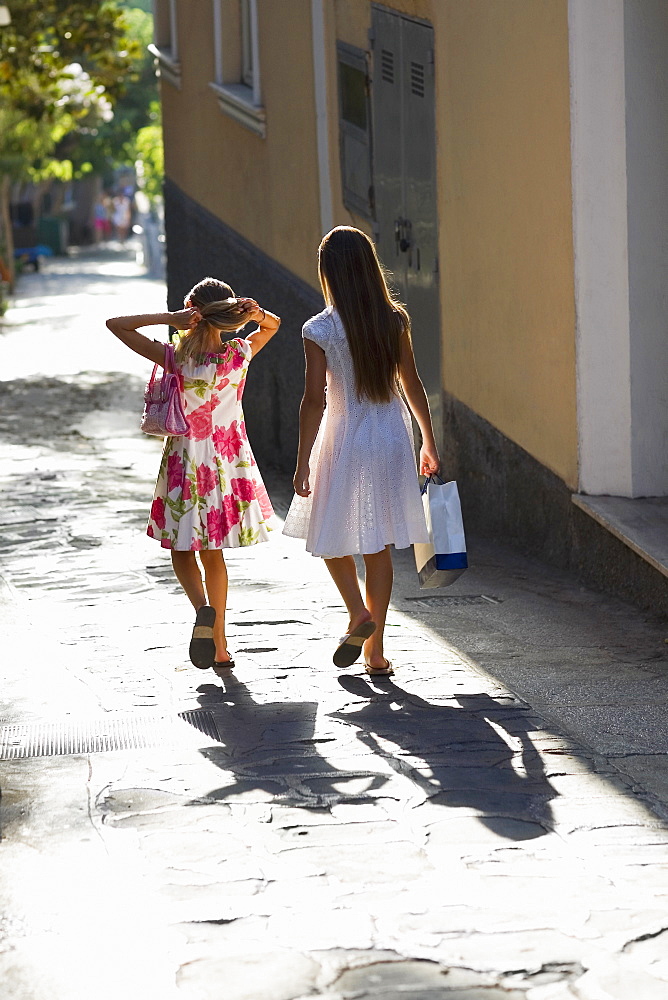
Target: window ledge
<point>640,523</point>
<point>170,68</point>
<point>236,100</point>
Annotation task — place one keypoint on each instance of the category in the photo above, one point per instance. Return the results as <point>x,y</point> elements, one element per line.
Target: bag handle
<point>168,369</point>
<point>169,359</point>
<point>432,478</point>
<point>168,365</point>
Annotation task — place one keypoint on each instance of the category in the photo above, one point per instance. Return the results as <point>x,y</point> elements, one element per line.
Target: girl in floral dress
<point>209,495</point>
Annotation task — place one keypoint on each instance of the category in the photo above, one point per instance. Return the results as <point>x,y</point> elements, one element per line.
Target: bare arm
<point>125,328</point>
<point>416,397</point>
<point>268,324</point>
<point>310,413</point>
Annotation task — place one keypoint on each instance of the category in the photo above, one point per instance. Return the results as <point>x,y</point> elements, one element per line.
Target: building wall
<point>619,101</point>
<point>646,80</point>
<point>253,209</point>
<point>600,237</point>
<point>505,221</point>
<point>349,21</point>
<point>503,148</point>
<point>263,188</point>
<point>505,212</point>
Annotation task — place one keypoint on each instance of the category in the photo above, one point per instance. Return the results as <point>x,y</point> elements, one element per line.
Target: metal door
<point>404,180</point>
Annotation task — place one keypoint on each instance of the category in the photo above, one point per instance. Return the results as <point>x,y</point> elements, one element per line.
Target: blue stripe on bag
<point>454,560</point>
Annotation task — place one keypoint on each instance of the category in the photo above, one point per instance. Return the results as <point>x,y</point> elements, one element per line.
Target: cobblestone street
<point>490,824</point>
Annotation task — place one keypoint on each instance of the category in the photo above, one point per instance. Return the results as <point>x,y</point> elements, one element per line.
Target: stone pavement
<point>490,823</point>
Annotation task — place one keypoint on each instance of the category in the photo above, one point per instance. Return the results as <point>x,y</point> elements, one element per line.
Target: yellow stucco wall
<point>504,199</point>
<point>503,132</point>
<point>265,189</point>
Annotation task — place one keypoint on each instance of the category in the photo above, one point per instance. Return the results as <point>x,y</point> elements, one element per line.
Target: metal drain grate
<point>203,720</point>
<point>453,601</point>
<point>132,732</point>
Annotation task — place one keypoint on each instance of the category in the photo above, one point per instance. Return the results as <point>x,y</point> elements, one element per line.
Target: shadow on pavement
<point>455,757</point>
<point>461,757</point>
<point>271,747</point>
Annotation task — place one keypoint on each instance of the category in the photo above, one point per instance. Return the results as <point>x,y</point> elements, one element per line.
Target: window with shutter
<point>354,129</point>
<point>165,41</point>
<point>237,62</point>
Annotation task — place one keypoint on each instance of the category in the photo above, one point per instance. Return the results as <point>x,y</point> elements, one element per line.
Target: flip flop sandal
<point>350,646</point>
<point>202,647</point>
<point>385,671</point>
<point>223,667</point>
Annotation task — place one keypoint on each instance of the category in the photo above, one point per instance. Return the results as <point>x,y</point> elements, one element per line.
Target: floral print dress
<point>209,493</point>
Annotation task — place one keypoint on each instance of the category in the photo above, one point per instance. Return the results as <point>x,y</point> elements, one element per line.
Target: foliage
<point>44,39</point>
<point>77,85</point>
<point>62,63</point>
<point>19,135</point>
<point>110,144</point>
<point>149,152</point>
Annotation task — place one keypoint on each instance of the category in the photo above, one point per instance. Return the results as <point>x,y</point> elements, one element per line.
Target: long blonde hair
<point>353,281</point>
<point>220,312</point>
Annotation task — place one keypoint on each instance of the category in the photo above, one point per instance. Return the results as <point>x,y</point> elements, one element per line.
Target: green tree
<point>62,65</point>
<point>149,152</point>
<point>111,143</point>
<point>44,39</point>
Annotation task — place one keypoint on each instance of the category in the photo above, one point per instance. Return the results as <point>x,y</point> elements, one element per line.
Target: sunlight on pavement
<point>432,819</point>
<point>46,332</point>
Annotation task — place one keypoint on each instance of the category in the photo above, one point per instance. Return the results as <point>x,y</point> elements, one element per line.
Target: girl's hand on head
<point>251,310</point>
<point>300,483</point>
<point>430,463</point>
<point>186,318</point>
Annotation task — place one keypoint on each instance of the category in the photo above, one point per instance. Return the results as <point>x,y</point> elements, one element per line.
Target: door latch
<point>403,235</point>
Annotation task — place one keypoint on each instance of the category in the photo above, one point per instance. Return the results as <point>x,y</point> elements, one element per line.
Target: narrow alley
<point>491,823</point>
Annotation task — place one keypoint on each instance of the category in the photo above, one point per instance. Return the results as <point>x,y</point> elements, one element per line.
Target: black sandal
<point>222,667</point>
<point>385,671</point>
<point>350,646</point>
<point>202,647</point>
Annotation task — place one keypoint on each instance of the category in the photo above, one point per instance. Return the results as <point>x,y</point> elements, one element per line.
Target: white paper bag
<point>443,559</point>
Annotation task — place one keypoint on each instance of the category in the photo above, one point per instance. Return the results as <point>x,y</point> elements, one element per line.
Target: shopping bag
<point>163,408</point>
<point>442,559</point>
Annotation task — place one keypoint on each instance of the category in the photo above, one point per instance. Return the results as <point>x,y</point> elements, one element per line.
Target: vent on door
<point>387,66</point>
<point>417,79</point>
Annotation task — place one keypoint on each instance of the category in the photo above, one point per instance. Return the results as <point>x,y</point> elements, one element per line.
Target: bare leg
<point>188,574</point>
<point>215,573</point>
<point>379,577</point>
<point>344,574</point>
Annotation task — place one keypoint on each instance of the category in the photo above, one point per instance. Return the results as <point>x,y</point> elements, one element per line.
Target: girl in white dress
<point>356,484</point>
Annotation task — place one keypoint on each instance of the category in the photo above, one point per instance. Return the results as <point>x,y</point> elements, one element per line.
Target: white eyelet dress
<point>363,476</point>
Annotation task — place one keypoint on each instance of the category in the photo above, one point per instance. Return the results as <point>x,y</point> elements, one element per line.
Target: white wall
<point>646,83</point>
<point>619,141</point>
<point>598,145</point>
